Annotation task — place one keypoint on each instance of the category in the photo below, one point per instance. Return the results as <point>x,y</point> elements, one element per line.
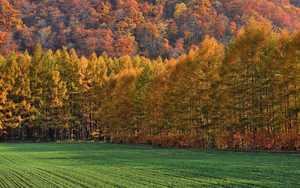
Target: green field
<point>114,165</point>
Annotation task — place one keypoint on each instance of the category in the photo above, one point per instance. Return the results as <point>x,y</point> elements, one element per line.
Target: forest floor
<point>88,164</point>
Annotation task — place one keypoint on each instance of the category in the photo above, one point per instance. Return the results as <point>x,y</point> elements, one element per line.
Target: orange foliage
<point>123,46</point>
<point>2,36</point>
<point>8,15</point>
<point>149,22</point>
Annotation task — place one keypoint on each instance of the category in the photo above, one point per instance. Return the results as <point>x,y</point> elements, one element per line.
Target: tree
<point>179,10</point>
<point>19,95</point>
<point>9,22</point>
<point>58,113</point>
<point>95,78</point>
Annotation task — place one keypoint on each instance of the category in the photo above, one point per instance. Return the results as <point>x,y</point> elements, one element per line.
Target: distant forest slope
<point>150,28</point>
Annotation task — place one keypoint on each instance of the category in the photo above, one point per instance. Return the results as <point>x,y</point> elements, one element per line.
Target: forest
<point>192,74</point>
<point>149,28</point>
<point>243,95</point>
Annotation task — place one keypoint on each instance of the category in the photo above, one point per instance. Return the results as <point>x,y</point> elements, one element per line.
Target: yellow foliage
<point>179,10</point>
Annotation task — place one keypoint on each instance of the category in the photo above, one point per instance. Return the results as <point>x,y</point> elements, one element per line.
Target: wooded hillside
<point>133,27</point>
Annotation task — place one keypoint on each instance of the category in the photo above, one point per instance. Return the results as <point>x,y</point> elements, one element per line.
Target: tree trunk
<point>70,134</point>
<point>23,131</point>
<point>55,131</point>
<point>38,133</point>
<point>46,134</point>
<point>11,134</point>
<point>76,132</point>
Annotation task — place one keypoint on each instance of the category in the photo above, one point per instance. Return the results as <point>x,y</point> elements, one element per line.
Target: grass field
<point>114,165</point>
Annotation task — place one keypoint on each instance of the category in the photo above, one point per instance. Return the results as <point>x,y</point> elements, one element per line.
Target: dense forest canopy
<point>149,28</point>
<point>243,95</point>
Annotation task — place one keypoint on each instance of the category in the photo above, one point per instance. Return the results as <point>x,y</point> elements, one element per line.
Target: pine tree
<point>19,96</point>
<point>95,78</point>
<point>37,81</point>
<point>57,115</point>
<point>140,112</point>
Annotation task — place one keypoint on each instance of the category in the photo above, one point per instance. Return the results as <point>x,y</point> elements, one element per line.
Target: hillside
<point>130,27</point>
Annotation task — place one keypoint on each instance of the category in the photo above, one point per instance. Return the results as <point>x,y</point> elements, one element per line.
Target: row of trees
<point>244,95</point>
<point>133,27</point>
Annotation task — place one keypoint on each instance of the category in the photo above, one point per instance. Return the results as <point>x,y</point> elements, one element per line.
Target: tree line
<point>244,95</point>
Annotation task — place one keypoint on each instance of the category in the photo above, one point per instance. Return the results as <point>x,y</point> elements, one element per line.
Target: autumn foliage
<point>244,95</point>
<point>133,27</point>
<point>193,74</point>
